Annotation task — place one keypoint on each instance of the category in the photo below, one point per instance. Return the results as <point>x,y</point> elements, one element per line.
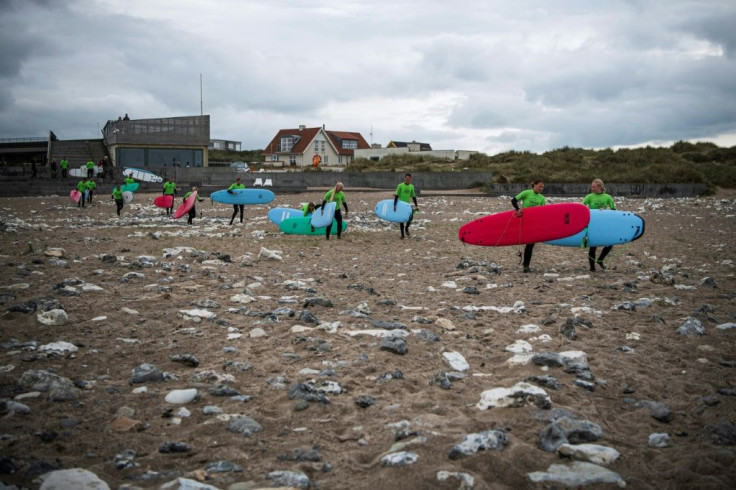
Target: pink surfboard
<point>537,224</point>
<point>75,195</point>
<point>165,201</point>
<point>189,202</point>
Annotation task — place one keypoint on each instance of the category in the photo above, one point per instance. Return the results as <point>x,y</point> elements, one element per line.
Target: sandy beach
<point>241,358</point>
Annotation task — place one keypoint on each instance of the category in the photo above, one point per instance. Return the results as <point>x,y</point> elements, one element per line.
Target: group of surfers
<point>596,199</point>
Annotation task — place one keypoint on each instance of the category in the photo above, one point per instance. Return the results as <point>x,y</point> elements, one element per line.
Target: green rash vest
<point>235,185</point>
<point>529,198</point>
<point>169,188</point>
<point>91,185</point>
<point>189,194</point>
<point>117,194</point>
<point>90,164</point>
<point>339,198</point>
<point>81,186</point>
<point>64,164</point>
<point>129,180</point>
<point>599,201</point>
<point>405,192</point>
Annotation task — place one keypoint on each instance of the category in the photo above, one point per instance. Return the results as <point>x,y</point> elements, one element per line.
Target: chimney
<point>302,127</point>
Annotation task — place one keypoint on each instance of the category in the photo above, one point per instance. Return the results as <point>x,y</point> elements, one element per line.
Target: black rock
<point>244,425</point>
<point>316,301</point>
<point>308,317</point>
<point>397,345</point>
<point>546,381</point>
<point>311,454</point>
<point>146,373</point>
<point>222,467</point>
<point>568,430</point>
<point>388,325</point>
<point>186,359</point>
<point>175,447</point>
<point>223,390</point>
<point>549,359</point>
<point>365,401</point>
<point>722,434</point>
<point>304,391</point>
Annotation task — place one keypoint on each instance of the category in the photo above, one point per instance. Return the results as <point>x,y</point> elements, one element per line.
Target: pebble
<point>593,453</point>
<point>180,397</point>
<point>659,440</point>
<point>472,443</point>
<point>519,395</point>
<point>72,478</point>
<point>56,317</point>
<point>456,361</point>
<point>578,474</point>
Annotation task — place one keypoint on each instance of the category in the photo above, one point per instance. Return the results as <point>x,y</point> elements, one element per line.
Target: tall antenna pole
<point>201,107</point>
<point>371,135</point>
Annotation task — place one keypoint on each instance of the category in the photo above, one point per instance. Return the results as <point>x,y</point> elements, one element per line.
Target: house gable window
<point>349,144</point>
<point>287,143</point>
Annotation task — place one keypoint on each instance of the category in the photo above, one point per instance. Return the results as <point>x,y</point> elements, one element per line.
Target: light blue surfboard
<point>277,215</point>
<point>243,196</point>
<point>129,187</point>
<point>320,219</point>
<point>385,210</point>
<point>606,227</point>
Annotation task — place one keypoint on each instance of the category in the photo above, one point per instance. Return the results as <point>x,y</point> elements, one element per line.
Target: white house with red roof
<point>303,147</point>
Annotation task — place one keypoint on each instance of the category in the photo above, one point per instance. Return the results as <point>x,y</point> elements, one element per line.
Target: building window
<point>316,146</point>
<point>323,146</point>
<point>292,160</point>
<point>339,159</point>
<point>350,144</point>
<point>287,143</point>
<point>326,159</point>
<point>274,158</point>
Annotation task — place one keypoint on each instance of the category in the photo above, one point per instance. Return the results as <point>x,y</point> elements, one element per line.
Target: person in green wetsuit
<point>117,195</point>
<point>308,208</point>
<point>404,192</point>
<point>90,168</point>
<point>529,198</point>
<point>170,190</point>
<point>128,180</point>
<point>64,165</point>
<point>91,186</point>
<point>236,207</point>
<point>338,196</point>
<point>598,199</point>
<point>82,187</point>
<point>192,212</point>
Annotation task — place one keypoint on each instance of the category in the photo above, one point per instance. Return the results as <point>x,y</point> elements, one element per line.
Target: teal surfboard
<point>606,227</point>
<point>302,226</point>
<point>129,187</point>
<point>243,196</point>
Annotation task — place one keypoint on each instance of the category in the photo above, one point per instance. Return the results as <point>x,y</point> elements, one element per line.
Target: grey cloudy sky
<point>490,75</point>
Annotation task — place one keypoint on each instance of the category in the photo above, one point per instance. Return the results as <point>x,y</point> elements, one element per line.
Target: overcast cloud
<point>483,75</point>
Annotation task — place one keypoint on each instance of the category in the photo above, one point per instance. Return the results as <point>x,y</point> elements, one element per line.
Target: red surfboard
<point>537,224</point>
<point>165,201</point>
<point>189,202</point>
<point>75,195</point>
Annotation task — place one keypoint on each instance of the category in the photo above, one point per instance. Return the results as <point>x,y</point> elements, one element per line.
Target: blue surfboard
<point>129,187</point>
<point>385,210</point>
<point>606,227</point>
<point>320,219</point>
<point>243,196</point>
<point>301,226</point>
<point>277,215</point>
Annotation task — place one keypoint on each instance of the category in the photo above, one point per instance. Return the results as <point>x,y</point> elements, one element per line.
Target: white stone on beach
<point>199,313</point>
<point>593,453</point>
<point>242,298</point>
<point>53,317</point>
<point>59,347</point>
<point>129,311</point>
<point>726,326</point>
<point>521,394</point>
<point>519,346</point>
<point>181,397</point>
<point>270,254</point>
<point>72,478</point>
<point>456,361</point>
<point>445,323</point>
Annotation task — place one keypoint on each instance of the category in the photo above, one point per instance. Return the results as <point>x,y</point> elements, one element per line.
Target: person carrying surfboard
<point>598,199</point>
<point>117,196</point>
<point>128,180</point>
<point>236,207</point>
<point>405,191</point>
<point>82,188</point>
<point>90,168</point>
<point>338,196</point>
<point>91,186</point>
<point>192,212</point>
<point>529,198</point>
<point>170,190</point>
